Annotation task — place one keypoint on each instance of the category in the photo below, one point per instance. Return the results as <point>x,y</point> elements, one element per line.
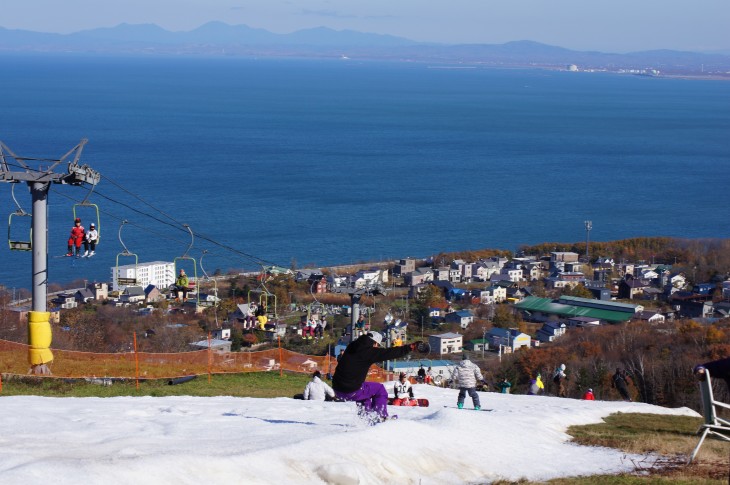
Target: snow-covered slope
<point>195,440</point>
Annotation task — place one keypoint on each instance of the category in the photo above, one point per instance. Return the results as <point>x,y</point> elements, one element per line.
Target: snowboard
<point>326,398</point>
<point>423,403</point>
<point>468,409</point>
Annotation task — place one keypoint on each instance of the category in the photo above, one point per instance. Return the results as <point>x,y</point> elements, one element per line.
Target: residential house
<point>508,337</point>
<point>477,345</point>
<point>318,284</point>
<point>598,290</point>
<point>464,318</point>
<point>583,322</point>
<point>216,345</point>
<point>370,277</point>
<point>573,267</point>
<point>515,294</point>
<point>153,294</point>
<point>510,274</point>
<point>100,290</point>
<point>550,331</point>
<point>132,294</point>
<point>446,343</point>
<point>498,293</point>
<point>65,300</point>
<point>532,271</point>
<point>481,297</point>
<point>221,334</point>
<point>307,274</point>
<point>84,295</point>
<point>696,309</point>
<point>722,309</point>
<point>652,293</point>
<point>440,369</point>
<point>563,256</point>
<point>419,276</point>
<point>441,274</point>
<point>465,269</point>
<point>454,275</point>
<point>650,317</point>
<point>19,316</point>
<point>632,288</point>
<point>404,267</point>
<point>483,270</point>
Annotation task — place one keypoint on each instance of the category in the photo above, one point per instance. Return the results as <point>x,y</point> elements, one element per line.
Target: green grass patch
<point>253,384</point>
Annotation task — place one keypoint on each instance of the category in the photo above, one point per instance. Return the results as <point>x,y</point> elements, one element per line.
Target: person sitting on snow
<point>536,386</point>
<point>403,391</point>
<point>317,389</point>
<point>589,396</point>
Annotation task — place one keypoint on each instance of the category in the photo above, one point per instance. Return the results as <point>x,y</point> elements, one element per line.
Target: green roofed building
<point>566,307</point>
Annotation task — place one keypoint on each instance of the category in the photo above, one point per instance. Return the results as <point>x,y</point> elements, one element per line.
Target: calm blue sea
<point>325,162</point>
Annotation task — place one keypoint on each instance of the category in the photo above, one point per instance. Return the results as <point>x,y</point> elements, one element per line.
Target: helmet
<point>402,375</point>
<point>78,219</point>
<point>92,225</point>
<point>562,366</point>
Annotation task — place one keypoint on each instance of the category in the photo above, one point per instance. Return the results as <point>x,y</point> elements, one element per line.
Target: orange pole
<point>281,360</point>
<point>136,361</point>
<point>210,358</point>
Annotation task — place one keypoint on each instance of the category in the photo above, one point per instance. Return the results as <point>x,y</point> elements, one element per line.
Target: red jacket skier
<point>76,238</point>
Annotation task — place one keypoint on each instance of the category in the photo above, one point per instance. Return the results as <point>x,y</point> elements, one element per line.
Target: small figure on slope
<point>536,386</point>
<point>620,382</point>
<point>504,386</point>
<point>92,236</point>
<point>588,396</point>
<point>349,379</point>
<point>559,378</point>
<point>421,374</point>
<point>467,374</point>
<point>76,238</point>
<point>317,389</point>
<point>403,391</point>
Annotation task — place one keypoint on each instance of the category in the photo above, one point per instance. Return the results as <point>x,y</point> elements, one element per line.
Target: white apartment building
<point>158,273</point>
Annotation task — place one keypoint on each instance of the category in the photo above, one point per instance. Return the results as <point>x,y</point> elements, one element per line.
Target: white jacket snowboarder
<point>467,374</point>
<point>317,389</point>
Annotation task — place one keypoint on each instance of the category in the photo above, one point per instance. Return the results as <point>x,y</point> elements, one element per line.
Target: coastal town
<point>488,307</point>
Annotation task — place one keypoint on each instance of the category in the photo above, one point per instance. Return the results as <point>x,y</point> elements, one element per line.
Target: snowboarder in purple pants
<point>352,369</point>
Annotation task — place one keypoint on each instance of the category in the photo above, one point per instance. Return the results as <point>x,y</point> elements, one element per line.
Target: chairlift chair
<point>125,253</point>
<point>178,261</point>
<point>14,243</point>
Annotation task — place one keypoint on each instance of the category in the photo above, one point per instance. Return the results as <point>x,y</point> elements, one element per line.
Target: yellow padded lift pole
<point>39,338</point>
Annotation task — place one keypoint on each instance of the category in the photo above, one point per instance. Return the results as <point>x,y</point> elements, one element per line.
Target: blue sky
<point>611,26</point>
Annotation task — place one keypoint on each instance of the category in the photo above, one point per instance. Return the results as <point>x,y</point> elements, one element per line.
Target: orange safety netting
<point>147,365</point>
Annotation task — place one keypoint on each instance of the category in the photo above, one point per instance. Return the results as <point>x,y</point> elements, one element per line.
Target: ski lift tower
<point>39,182</point>
<point>356,295</point>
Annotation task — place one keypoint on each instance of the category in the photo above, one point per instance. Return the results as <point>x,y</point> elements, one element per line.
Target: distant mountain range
<point>218,38</point>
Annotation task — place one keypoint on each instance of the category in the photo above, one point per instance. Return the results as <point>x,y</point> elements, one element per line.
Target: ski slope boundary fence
<point>148,365</point>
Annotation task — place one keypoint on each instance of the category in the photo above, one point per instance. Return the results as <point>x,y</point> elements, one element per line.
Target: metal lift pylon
<point>39,182</point>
